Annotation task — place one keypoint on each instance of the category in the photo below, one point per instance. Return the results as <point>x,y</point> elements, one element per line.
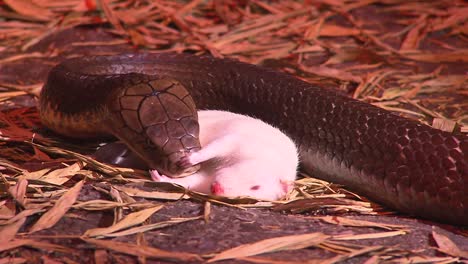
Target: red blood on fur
<point>90,5</point>
<point>285,186</point>
<point>217,189</point>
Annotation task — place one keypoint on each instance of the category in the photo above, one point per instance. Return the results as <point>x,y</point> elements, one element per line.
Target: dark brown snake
<point>141,100</point>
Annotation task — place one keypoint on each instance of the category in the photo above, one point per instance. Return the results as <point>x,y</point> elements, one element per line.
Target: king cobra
<point>148,101</point>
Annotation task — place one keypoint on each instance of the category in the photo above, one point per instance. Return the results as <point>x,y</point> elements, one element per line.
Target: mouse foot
<point>156,176</point>
<point>187,161</point>
<point>184,163</point>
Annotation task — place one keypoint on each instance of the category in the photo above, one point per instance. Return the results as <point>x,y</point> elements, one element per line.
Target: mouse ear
<point>255,187</point>
<point>117,153</point>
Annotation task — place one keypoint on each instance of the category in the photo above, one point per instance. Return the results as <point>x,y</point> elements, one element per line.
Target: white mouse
<point>240,156</point>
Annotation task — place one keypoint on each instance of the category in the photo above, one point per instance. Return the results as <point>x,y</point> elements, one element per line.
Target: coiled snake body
<point>396,161</point>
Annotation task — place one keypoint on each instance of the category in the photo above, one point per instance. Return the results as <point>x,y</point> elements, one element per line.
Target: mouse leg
<point>156,176</point>
<point>198,182</point>
<point>218,148</point>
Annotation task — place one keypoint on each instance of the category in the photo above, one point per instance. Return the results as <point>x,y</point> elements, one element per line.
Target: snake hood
<point>154,116</point>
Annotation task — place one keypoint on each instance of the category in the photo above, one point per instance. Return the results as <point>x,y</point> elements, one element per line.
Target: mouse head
<point>157,119</point>
<point>268,189</point>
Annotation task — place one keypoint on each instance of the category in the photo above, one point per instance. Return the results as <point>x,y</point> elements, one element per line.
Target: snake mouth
<point>174,167</point>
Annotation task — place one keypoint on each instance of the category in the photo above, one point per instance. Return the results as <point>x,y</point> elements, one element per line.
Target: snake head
<point>158,120</point>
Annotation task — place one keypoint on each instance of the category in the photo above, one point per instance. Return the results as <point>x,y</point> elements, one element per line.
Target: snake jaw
<point>177,165</point>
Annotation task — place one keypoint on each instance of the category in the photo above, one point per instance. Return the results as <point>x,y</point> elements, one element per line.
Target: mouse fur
<point>240,156</point>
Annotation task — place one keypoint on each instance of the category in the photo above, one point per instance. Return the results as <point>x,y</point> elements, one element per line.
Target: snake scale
<point>398,162</point>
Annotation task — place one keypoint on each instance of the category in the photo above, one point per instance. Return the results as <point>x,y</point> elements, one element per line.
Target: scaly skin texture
<point>399,162</point>
<point>155,117</point>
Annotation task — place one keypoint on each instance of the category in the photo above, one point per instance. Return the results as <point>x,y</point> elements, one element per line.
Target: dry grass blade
<point>415,35</point>
<point>271,245</point>
<point>61,176</point>
<point>349,251</point>
<point>444,124</point>
<point>90,162</point>
<point>324,202</point>
<point>149,227</point>
<point>99,205</point>
<point>370,236</point>
<point>25,213</point>
<point>273,261</point>
<point>35,244</point>
<point>10,165</point>
<point>206,211</point>
<point>29,8</point>
<point>143,251</point>
<point>8,232</point>
<point>135,192</point>
<point>331,73</point>
<point>13,260</point>
<point>51,217</point>
<point>448,246</point>
<point>422,260</point>
<point>19,57</point>
<point>18,192</point>
<point>449,56</point>
<point>32,89</point>
<point>246,34</point>
<point>130,220</point>
<point>339,31</point>
<point>35,175</point>
<point>359,223</point>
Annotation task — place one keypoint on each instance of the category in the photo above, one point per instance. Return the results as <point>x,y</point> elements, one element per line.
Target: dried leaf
<point>130,220</point>
<point>207,211</point>
<point>328,30</point>
<point>415,35</point>
<point>134,192</point>
<point>271,245</point>
<point>19,191</point>
<point>149,227</point>
<point>438,57</point>
<point>448,246</point>
<point>61,176</point>
<point>29,8</point>
<point>370,235</point>
<point>101,256</point>
<point>25,213</point>
<point>444,124</point>
<point>145,251</point>
<point>8,232</point>
<point>98,205</point>
<point>331,204</point>
<point>35,175</point>
<point>32,89</point>
<point>272,261</point>
<point>359,223</point>
<point>35,244</point>
<point>51,217</point>
<point>13,260</point>
<point>424,259</point>
<point>331,73</point>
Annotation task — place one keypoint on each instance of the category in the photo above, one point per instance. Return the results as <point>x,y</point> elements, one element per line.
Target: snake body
<point>398,162</point>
